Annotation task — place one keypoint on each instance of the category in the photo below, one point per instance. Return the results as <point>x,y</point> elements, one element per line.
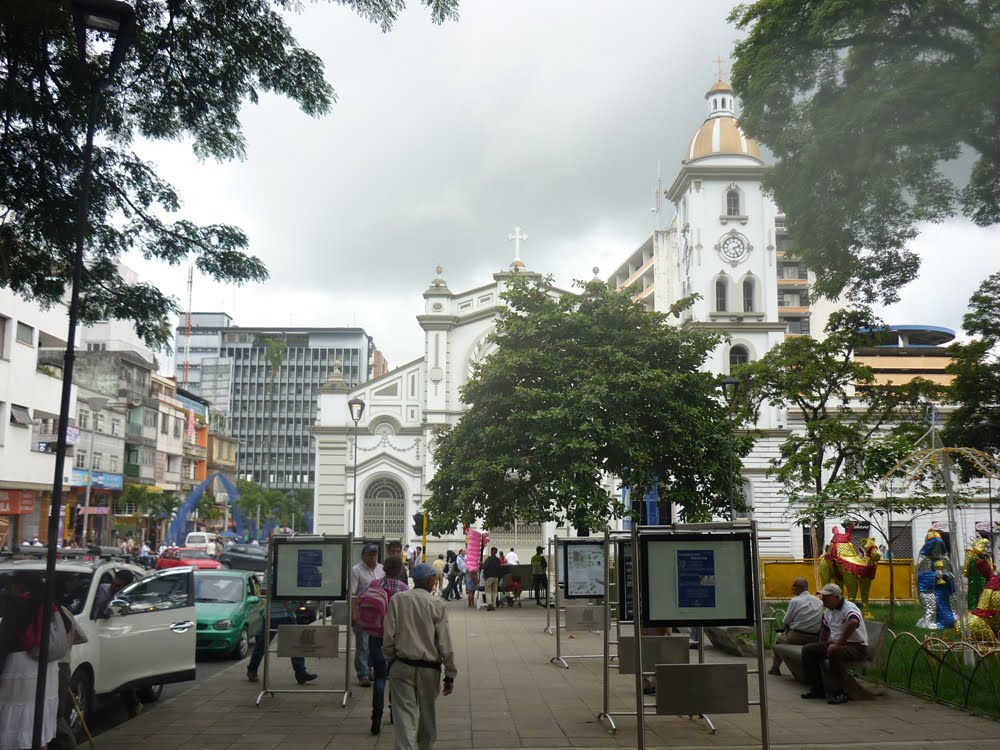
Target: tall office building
<point>270,408</point>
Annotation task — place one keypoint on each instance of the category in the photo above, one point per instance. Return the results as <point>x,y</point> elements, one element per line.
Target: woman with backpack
<point>373,605</point>
<point>20,636</point>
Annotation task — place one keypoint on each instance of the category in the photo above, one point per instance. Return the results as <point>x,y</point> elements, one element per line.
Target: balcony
<point>132,471</point>
<point>193,450</point>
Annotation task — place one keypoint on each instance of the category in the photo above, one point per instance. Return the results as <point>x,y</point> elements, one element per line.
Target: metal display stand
<point>548,587</point>
<point>561,658</point>
<point>265,688</point>
<point>663,704</point>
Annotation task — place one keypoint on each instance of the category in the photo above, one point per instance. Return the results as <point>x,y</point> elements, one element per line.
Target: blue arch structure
<point>176,528</point>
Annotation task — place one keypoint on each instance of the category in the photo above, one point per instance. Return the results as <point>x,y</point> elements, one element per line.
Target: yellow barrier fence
<point>778,574</point>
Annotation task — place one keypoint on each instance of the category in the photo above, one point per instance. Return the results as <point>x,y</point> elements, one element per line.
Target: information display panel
<point>696,579</point>
<point>582,569</point>
<point>623,559</point>
<point>309,568</point>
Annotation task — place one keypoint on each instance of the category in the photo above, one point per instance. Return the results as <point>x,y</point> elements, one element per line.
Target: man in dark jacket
<point>491,574</point>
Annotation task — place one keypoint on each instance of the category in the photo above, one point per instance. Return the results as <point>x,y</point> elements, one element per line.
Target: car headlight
<point>224,625</point>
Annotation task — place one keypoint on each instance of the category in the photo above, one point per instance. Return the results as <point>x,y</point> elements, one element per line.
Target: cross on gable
<point>517,237</point>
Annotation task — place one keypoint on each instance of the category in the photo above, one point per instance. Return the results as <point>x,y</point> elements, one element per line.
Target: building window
<point>165,424</point>
<point>177,426</point>
<point>81,459</point>
<point>738,355</point>
<point>798,325</point>
<point>116,427</point>
<point>98,459</point>
<point>25,334</point>
<point>99,346</point>
<point>721,294</point>
<point>113,464</point>
<point>384,509</point>
<point>83,417</point>
<point>99,422</point>
<point>3,335</point>
<point>749,287</point>
<point>20,416</point>
<point>733,202</point>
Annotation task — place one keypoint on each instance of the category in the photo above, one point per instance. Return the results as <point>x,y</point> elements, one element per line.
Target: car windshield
<point>253,551</point>
<point>218,589</point>
<point>194,554</point>
<point>72,588</point>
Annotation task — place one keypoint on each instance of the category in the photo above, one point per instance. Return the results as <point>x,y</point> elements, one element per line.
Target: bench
<point>791,657</point>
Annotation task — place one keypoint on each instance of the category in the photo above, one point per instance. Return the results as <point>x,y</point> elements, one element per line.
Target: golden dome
<point>719,135</point>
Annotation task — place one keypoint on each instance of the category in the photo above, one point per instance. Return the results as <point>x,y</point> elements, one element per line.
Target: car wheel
<point>81,685</point>
<point>242,645</point>
<point>151,694</point>
<point>226,566</point>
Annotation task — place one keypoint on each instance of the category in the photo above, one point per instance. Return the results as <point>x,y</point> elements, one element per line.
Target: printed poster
<point>310,570</point>
<point>696,578</point>
<point>584,570</point>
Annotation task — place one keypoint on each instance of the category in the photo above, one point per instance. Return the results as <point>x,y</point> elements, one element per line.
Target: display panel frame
<point>577,588</point>
<point>309,568</point>
<point>703,555</point>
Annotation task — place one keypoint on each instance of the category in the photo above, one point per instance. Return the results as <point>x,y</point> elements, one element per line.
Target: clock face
<point>733,248</point>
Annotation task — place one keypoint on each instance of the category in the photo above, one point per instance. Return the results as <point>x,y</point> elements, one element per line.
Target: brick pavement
<point>509,695</point>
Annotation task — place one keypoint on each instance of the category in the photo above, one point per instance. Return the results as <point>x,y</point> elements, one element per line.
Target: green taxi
<point>229,611</point>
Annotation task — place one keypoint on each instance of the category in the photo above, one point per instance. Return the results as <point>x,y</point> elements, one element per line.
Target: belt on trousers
<point>436,665</point>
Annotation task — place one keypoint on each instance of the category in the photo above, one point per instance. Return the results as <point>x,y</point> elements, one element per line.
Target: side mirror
<point>253,599</point>
<point>118,608</point>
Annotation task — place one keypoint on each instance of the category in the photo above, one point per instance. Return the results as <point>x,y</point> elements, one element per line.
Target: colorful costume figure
<point>842,565</point>
<point>975,580</point>
<point>934,584</point>
<point>983,622</point>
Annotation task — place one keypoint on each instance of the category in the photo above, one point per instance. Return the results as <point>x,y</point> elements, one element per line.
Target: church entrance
<point>384,509</point>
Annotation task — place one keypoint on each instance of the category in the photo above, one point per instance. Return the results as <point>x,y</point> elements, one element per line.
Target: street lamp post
<point>730,387</point>
<point>96,403</point>
<point>357,408</point>
<point>118,20</point>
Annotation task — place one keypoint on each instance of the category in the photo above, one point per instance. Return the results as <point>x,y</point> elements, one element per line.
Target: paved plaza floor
<point>509,695</point>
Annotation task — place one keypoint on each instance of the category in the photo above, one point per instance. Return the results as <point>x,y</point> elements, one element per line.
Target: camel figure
<point>853,573</point>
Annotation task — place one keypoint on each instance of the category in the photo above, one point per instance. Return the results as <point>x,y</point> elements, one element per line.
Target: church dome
<point>719,135</point>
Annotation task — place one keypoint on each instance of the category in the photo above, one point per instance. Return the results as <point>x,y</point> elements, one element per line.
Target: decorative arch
<point>738,355</point>
<point>384,424</point>
<point>480,350</point>
<point>176,529</point>
<point>383,508</point>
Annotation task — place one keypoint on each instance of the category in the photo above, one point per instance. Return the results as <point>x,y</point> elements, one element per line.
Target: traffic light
<point>418,524</point>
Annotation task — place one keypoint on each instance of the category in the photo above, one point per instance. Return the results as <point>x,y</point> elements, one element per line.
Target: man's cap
<point>369,548</point>
<point>422,572</point>
<point>831,588</point>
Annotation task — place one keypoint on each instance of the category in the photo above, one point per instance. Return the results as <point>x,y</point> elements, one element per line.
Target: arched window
<point>738,355</point>
<point>732,202</point>
<point>749,290</point>
<point>384,509</point>
<point>721,295</point>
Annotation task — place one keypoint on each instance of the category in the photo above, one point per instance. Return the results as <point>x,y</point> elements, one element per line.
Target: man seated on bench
<point>801,623</point>
<point>842,639</point>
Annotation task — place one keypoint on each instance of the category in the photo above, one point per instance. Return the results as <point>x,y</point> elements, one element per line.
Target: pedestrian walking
<point>417,645</point>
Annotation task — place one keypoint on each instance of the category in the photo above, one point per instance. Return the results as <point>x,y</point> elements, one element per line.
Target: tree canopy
<point>193,65</point>
<point>580,388</point>
<point>864,105</point>
<point>975,423</point>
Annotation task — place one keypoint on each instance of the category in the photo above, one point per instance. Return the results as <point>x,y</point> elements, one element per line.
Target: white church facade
<point>726,241</point>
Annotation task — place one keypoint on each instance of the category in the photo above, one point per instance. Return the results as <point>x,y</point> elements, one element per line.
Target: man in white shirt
<point>843,639</point>
<point>512,558</point>
<point>802,621</point>
<point>362,574</point>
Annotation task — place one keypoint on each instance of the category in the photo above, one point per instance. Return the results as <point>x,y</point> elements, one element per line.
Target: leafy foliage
<point>863,104</point>
<point>975,423</point>
<point>854,429</point>
<point>281,508</point>
<point>579,388</point>
<point>193,65</point>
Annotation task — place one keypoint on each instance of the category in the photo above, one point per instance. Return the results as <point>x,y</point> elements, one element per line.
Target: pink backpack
<point>372,607</point>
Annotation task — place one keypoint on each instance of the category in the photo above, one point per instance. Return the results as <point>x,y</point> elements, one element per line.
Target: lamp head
<point>357,408</point>
<point>113,17</point>
<point>730,387</point>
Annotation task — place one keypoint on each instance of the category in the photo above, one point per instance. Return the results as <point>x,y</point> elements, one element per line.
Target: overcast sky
<point>552,116</point>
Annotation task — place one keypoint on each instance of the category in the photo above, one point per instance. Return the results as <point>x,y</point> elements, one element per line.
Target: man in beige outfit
<point>417,644</point>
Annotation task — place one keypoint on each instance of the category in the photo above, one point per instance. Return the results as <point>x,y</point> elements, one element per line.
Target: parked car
<point>182,557</point>
<point>206,540</point>
<point>229,611</point>
<point>144,640</point>
<point>244,557</point>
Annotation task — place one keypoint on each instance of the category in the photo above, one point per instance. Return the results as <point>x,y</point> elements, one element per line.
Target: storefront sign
<point>102,480</point>
<point>17,502</point>
<point>92,511</point>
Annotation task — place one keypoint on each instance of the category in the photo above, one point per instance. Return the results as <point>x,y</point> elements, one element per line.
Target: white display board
<point>696,579</point>
<point>582,569</point>
<point>309,568</point>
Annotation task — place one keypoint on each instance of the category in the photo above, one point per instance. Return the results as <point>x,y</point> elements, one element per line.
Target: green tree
<point>849,421</point>
<point>577,389</point>
<point>975,423</point>
<point>194,64</point>
<point>864,104</point>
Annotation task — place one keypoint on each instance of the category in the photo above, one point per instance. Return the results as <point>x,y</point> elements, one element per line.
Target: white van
<point>205,540</point>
